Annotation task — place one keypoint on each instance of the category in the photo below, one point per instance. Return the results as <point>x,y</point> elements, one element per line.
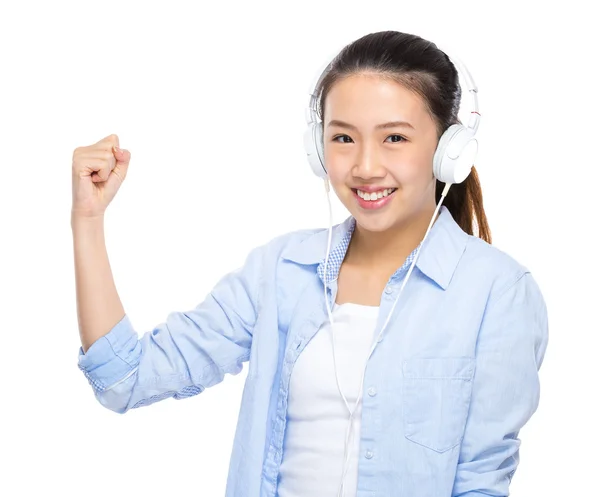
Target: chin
<point>376,219</point>
<point>376,222</point>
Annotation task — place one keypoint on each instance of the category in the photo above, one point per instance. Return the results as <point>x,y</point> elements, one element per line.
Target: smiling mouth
<point>374,196</point>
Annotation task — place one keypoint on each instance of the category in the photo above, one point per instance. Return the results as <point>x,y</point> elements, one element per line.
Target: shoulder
<point>291,239</point>
<point>515,301</point>
<point>501,270</point>
<point>302,245</point>
<point>480,252</point>
<point>307,247</point>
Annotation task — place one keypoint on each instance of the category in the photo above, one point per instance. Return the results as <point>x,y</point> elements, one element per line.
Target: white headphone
<point>455,153</point>
<point>452,162</point>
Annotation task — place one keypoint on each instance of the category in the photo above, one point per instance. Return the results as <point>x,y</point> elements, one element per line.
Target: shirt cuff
<point>112,357</point>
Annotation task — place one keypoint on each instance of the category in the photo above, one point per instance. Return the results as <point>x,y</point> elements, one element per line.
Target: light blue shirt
<point>446,391</point>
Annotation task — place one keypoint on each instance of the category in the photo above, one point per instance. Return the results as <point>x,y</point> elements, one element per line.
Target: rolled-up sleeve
<point>182,356</point>
<point>506,390</point>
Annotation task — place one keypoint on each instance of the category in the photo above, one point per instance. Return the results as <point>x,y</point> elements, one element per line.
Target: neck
<point>389,248</point>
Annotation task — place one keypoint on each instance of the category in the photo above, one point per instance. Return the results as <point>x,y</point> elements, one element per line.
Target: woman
<point>445,332</point>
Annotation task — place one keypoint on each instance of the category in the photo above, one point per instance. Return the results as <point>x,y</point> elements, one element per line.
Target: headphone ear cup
<point>313,146</point>
<point>455,154</point>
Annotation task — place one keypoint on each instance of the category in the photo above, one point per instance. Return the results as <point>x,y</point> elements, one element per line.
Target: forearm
<point>99,307</point>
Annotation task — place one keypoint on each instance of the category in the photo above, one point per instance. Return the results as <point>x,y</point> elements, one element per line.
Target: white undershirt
<point>317,417</point>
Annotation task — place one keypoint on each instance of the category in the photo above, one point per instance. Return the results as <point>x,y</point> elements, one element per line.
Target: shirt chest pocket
<point>437,394</point>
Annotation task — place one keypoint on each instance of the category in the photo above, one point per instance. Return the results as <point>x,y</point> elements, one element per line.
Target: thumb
<point>122,156</point>
<point>117,175</point>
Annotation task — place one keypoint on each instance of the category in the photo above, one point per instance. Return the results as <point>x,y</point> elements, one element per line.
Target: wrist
<point>81,220</point>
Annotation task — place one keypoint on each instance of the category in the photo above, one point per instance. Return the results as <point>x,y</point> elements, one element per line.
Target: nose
<point>368,164</point>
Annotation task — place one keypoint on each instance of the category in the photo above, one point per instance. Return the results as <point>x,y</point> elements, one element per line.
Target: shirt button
<point>389,289</point>
<point>372,391</point>
<point>369,454</point>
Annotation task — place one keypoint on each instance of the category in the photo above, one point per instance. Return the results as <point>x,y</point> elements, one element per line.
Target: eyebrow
<point>391,124</point>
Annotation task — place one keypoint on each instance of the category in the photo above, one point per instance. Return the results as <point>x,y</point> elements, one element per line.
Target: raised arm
<point>178,358</point>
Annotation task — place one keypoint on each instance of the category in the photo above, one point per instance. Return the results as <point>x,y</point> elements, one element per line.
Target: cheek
<point>337,167</point>
<point>336,174</point>
<point>411,173</point>
<point>416,166</point>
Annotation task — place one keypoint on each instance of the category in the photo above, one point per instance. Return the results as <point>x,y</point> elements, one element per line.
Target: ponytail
<point>465,203</point>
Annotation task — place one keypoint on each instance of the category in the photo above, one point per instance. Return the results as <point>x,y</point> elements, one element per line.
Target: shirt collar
<point>438,258</point>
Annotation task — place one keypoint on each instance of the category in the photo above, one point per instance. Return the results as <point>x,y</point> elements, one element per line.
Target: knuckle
<point>107,142</point>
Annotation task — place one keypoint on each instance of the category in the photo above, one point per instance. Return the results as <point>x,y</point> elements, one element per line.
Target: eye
<point>340,136</point>
<point>399,140</point>
<point>397,136</point>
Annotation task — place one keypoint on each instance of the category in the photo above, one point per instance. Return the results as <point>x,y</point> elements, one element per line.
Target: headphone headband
<point>311,110</point>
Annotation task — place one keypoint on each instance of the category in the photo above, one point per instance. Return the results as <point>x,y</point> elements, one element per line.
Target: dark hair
<point>423,68</point>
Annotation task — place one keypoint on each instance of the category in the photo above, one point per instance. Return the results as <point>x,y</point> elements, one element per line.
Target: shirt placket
<point>307,331</point>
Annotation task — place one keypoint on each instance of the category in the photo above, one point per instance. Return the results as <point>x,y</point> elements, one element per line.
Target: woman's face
<point>367,160</point>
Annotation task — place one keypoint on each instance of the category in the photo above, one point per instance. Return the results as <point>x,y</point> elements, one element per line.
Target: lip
<point>371,189</point>
<point>373,204</point>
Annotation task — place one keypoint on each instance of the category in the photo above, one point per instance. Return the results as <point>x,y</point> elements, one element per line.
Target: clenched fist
<point>98,171</point>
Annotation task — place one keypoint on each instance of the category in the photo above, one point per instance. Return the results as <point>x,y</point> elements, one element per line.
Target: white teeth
<point>375,195</point>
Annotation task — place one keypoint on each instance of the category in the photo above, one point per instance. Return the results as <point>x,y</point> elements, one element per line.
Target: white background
<point>210,101</point>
